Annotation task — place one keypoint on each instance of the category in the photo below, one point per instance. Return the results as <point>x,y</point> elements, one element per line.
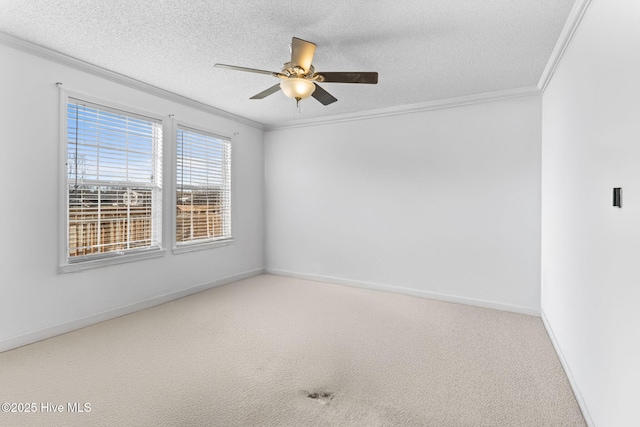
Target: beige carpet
<point>274,351</point>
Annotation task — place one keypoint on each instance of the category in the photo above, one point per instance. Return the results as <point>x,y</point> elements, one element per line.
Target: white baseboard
<point>563,361</point>
<point>408,291</point>
<point>63,328</point>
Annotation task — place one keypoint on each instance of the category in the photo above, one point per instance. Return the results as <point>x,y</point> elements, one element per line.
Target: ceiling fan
<point>299,77</point>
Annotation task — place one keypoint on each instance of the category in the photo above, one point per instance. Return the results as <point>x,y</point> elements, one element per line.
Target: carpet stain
<point>322,397</point>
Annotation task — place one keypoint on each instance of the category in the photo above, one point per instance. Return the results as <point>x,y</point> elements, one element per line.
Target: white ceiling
<point>423,50</point>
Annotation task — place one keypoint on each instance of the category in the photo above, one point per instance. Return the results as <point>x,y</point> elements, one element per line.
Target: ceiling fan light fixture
<point>297,88</point>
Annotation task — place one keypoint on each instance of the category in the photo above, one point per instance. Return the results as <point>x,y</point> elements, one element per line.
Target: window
<point>114,192</point>
<point>203,184</point>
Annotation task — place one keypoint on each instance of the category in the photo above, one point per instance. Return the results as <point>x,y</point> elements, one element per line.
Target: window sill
<point>114,260</point>
<point>192,247</point>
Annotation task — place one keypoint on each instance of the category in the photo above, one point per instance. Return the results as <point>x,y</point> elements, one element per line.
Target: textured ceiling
<point>423,50</point>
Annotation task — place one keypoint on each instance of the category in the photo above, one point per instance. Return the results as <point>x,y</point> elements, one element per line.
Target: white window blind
<point>114,181</point>
<point>203,199</point>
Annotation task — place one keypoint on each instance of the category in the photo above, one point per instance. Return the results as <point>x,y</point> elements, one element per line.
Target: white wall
<point>33,295</point>
<point>441,203</point>
<point>591,250</point>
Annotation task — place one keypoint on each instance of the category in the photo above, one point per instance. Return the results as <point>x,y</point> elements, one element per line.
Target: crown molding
<point>408,109</point>
<point>570,27</point>
<point>78,64</point>
<point>61,58</point>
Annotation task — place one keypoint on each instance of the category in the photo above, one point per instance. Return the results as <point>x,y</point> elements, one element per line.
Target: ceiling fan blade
<point>248,70</point>
<point>323,96</point>
<point>302,53</point>
<point>265,93</point>
<point>350,77</point>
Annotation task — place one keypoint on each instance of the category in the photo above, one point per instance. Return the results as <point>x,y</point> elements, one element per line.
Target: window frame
<point>204,244</point>
<point>115,257</point>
